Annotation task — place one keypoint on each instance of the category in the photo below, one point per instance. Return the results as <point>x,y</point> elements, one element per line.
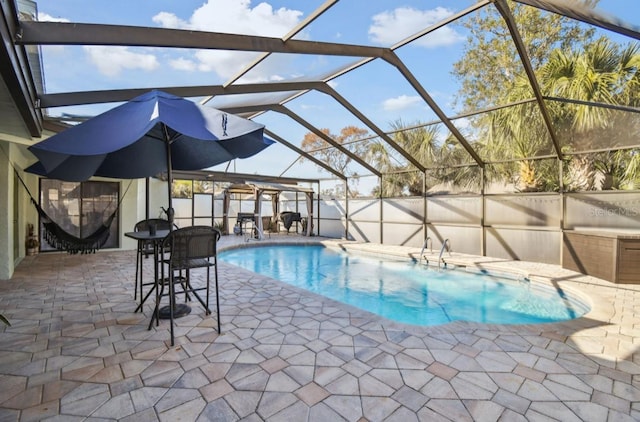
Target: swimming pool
<point>408,292</point>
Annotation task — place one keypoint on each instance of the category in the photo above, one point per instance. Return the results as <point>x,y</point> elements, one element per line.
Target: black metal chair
<point>189,248</point>
<point>145,249</point>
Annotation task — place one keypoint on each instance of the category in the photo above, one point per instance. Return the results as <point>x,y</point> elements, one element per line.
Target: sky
<point>376,89</point>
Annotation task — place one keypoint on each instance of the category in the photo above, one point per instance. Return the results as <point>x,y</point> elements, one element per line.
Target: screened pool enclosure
<point>499,125</point>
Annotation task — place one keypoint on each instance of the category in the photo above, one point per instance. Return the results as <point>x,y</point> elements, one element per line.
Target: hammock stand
<point>57,238</point>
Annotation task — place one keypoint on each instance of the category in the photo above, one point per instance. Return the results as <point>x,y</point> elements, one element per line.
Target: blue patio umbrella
<point>151,134</point>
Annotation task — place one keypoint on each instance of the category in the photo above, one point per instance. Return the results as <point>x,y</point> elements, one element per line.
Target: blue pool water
<point>408,292</point>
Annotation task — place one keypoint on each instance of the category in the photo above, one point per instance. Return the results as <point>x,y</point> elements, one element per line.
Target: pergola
<point>273,190</point>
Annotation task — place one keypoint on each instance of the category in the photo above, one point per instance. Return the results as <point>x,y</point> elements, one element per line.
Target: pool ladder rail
<point>446,244</point>
<point>424,246</point>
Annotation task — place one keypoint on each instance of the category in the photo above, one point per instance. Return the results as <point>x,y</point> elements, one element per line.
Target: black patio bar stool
<point>189,248</point>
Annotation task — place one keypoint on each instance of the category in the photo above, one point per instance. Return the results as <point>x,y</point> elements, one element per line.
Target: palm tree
<point>618,169</point>
<point>393,183</point>
<point>419,141</point>
<point>631,176</point>
<point>602,73</point>
<point>447,162</point>
<point>456,166</point>
<point>518,132</point>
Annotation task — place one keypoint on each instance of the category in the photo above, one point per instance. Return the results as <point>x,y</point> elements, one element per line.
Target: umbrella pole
<point>146,198</point>
<point>167,141</point>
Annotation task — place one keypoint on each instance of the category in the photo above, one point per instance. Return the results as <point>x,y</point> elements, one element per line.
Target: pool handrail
<point>424,246</point>
<point>444,245</point>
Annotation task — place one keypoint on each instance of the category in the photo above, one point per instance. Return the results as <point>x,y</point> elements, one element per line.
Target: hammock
<point>57,238</point>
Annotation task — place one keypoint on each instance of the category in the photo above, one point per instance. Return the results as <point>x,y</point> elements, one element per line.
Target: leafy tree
<point>350,137</point>
<point>568,64</point>
<point>182,189</point>
<point>491,73</point>
<point>203,186</point>
<point>601,72</point>
<point>490,65</point>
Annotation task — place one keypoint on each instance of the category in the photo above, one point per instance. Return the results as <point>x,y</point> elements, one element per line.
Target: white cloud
<point>311,107</point>
<point>402,102</point>
<point>390,27</point>
<point>44,17</point>
<point>183,64</point>
<point>463,125</point>
<point>110,61</point>
<point>234,16</point>
<point>169,20</point>
<point>224,63</point>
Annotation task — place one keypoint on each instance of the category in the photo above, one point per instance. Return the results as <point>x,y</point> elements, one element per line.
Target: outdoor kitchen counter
<point>612,255</point>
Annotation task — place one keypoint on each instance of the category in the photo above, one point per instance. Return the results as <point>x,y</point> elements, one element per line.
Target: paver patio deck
<point>77,351</point>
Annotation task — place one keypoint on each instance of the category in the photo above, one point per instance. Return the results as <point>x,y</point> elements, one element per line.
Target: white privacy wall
<point>514,226</point>
<point>457,218</point>
<point>525,227</point>
<point>603,209</point>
